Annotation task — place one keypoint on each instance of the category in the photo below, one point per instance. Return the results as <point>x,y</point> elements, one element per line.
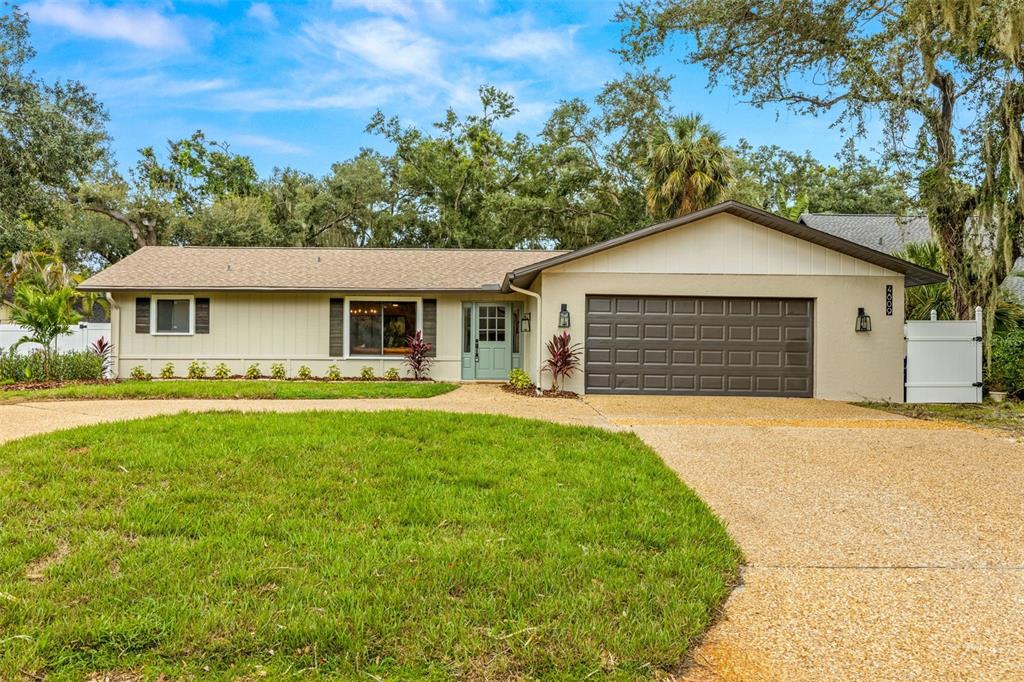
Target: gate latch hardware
<point>977,338</point>
<point>977,384</point>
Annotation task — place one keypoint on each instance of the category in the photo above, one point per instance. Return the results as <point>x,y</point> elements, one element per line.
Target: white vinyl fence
<point>81,337</point>
<point>944,360</point>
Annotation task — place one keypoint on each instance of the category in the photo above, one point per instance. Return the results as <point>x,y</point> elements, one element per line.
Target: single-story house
<point>889,233</point>
<point>730,300</point>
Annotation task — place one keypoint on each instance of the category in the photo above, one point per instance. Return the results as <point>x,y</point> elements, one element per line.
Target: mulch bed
<point>532,392</point>
<point>40,385</point>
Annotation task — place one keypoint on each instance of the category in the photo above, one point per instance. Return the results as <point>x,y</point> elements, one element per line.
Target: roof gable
<point>914,274</point>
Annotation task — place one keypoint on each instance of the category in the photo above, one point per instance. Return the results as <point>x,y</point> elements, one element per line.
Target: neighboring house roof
<point>176,268</point>
<point>914,274</point>
<point>890,233</point>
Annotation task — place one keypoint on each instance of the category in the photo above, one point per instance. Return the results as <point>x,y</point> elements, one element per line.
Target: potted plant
<point>996,389</point>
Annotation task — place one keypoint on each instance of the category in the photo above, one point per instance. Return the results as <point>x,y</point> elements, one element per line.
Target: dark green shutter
<point>336,343</point>
<point>142,315</point>
<point>202,316</point>
<point>430,325</point>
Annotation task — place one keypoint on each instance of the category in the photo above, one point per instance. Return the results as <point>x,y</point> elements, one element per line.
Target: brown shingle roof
<point>188,268</point>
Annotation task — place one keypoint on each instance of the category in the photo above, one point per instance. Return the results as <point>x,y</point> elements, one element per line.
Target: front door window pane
<point>491,323</point>
<point>173,316</point>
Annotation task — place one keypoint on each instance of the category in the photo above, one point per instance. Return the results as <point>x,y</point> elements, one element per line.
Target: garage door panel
<point>695,345</point>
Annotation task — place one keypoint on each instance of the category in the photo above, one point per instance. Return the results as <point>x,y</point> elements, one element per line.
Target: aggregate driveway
<point>878,547</point>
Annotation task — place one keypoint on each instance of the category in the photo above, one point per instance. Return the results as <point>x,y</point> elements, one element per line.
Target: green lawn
<point>391,545</point>
<point>232,388</point>
<point>1005,416</point>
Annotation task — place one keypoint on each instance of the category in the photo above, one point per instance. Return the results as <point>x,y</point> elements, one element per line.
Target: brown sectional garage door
<point>699,345</point>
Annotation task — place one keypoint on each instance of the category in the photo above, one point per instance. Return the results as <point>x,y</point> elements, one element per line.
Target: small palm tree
<point>45,314</point>
<point>688,168</point>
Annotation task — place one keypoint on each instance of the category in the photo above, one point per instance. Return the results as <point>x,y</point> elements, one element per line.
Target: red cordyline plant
<point>563,358</point>
<point>105,351</point>
<point>417,358</point>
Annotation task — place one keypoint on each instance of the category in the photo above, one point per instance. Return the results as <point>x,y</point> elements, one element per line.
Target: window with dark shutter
<point>202,316</point>
<point>142,315</point>
<point>336,328</point>
<point>430,325</point>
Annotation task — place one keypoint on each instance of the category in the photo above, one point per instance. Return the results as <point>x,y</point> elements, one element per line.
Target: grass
<point>396,545</point>
<point>1006,416</point>
<point>230,388</point>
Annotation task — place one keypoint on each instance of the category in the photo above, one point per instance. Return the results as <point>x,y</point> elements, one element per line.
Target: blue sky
<point>294,84</point>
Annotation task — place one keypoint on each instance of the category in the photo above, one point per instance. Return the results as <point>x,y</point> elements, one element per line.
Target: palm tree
<point>688,168</point>
<point>45,314</point>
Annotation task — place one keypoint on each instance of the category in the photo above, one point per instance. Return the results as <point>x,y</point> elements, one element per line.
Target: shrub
<point>253,371</point>
<point>1006,363</point>
<point>417,359</point>
<point>333,373</point>
<point>167,371</point>
<point>70,366</point>
<point>196,370</point>
<point>221,371</point>
<point>304,373</point>
<point>392,374</point>
<point>519,380</point>
<point>81,365</point>
<point>366,373</point>
<point>563,358</point>
<point>139,373</point>
<point>277,371</point>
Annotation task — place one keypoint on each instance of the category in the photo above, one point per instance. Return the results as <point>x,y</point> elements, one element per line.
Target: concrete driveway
<point>878,547</point>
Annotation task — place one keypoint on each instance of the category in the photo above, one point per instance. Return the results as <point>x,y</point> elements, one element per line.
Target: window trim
<point>172,297</point>
<point>418,300</point>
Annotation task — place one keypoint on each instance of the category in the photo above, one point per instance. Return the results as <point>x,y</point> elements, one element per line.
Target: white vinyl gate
<point>944,360</point>
<point>81,337</point>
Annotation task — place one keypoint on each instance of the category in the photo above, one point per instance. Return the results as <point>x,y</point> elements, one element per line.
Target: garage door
<point>699,345</point>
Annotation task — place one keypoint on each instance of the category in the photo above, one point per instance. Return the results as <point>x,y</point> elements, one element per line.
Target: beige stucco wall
<point>265,327</point>
<point>690,260</point>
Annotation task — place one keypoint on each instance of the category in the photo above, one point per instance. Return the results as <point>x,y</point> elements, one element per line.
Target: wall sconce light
<point>563,316</point>
<point>863,321</point>
<point>524,323</point>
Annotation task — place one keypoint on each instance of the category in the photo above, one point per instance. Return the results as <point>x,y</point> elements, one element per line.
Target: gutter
<point>115,336</point>
<point>540,318</point>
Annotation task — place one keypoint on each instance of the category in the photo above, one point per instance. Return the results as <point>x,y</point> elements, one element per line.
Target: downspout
<point>115,335</point>
<point>535,295</point>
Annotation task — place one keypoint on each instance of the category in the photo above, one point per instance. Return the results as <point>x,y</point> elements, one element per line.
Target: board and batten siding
<point>292,328</point>
<point>723,244</point>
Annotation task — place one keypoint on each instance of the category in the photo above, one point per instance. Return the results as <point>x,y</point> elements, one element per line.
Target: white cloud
<point>269,143</point>
<point>383,44</point>
<point>397,8</point>
<point>263,13</point>
<point>142,27</point>
<point>533,45</point>
<point>269,99</point>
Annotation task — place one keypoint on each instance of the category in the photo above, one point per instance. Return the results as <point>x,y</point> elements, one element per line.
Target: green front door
<point>487,340</point>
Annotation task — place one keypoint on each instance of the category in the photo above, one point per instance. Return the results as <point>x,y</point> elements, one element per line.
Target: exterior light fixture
<point>524,323</point>
<point>863,321</point>
<point>563,316</point>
